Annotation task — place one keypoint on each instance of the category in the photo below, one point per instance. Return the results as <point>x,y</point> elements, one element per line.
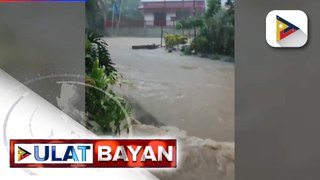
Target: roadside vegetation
<point>106,112</point>
<point>114,12</point>
<point>213,31</point>
<point>173,41</point>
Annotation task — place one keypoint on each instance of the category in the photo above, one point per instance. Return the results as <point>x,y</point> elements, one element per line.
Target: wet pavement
<point>192,93</point>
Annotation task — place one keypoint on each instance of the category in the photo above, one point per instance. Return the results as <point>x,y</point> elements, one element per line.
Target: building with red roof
<point>166,12</point>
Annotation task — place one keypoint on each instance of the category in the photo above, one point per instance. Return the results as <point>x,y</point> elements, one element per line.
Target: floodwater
<point>192,93</point>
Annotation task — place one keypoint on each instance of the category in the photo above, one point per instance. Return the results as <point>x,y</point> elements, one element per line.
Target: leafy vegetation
<point>193,23</point>
<point>103,106</point>
<point>213,7</point>
<point>219,30</point>
<point>128,9</point>
<point>97,48</point>
<point>172,40</point>
<point>105,111</point>
<point>216,30</point>
<point>95,15</point>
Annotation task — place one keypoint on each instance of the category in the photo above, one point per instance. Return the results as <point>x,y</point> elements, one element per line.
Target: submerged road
<point>192,93</point>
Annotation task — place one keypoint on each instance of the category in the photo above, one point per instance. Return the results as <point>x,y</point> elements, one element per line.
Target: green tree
<point>189,24</point>
<point>130,9</point>
<point>217,34</point>
<point>95,14</point>
<point>213,7</point>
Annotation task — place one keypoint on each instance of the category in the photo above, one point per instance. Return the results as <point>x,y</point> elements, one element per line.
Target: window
<point>160,19</point>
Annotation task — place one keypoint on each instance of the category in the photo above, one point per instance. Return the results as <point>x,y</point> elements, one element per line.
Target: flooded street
<point>192,93</point>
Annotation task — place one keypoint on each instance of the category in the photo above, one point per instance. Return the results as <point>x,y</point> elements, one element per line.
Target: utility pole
<point>120,13</point>
<point>161,35</point>
<point>113,9</point>
<point>164,7</point>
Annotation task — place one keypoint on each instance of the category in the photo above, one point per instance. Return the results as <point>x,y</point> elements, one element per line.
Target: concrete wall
<point>139,32</point>
<point>168,18</point>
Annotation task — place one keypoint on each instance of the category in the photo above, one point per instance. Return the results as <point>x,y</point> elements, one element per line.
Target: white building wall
<point>149,19</point>
<point>169,15</point>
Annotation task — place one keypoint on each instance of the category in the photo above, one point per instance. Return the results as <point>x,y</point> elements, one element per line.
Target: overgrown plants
<point>172,41</point>
<point>105,111</point>
<point>217,34</point>
<point>215,30</point>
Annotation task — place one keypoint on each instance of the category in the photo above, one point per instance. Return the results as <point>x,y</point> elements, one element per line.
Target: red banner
<point>100,153</point>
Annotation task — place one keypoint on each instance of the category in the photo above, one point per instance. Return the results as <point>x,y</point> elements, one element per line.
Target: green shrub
<point>201,45</point>
<point>97,48</point>
<point>172,40</point>
<point>217,34</point>
<point>103,106</point>
<point>181,39</point>
<point>187,50</point>
<point>189,23</point>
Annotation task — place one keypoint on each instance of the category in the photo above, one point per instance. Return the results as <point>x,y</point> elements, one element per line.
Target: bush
<point>103,106</point>
<point>201,45</point>
<point>97,48</point>
<point>172,40</point>
<point>189,24</point>
<point>187,50</point>
<point>217,33</point>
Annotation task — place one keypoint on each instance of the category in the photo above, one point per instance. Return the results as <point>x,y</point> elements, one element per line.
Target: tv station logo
<point>101,153</point>
<point>287,28</point>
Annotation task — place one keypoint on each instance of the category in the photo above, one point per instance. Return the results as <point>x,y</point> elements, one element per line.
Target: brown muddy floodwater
<point>192,93</point>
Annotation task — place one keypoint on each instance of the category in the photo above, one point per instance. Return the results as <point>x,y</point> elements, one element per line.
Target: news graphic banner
<point>22,114</point>
<point>124,153</point>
